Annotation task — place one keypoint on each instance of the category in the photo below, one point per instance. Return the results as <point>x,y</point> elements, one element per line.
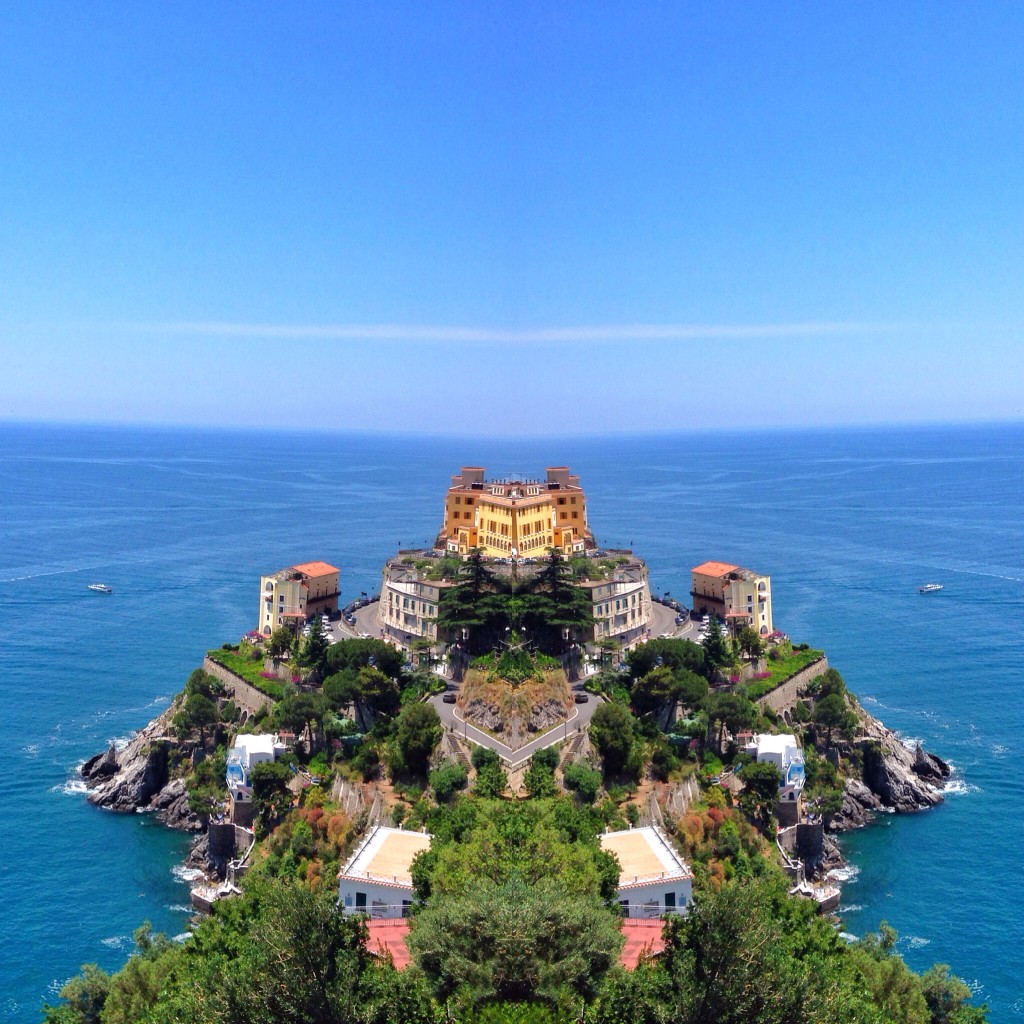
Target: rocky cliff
<point>894,780</point>
<point>140,776</point>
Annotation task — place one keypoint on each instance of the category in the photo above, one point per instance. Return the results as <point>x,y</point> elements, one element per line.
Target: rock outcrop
<point>894,778</point>
<point>137,777</point>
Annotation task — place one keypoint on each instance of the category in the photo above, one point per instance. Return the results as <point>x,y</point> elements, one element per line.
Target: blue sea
<point>181,523</point>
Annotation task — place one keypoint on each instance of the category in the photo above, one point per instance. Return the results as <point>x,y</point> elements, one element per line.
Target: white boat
<point>101,588</point>
<point>929,588</point>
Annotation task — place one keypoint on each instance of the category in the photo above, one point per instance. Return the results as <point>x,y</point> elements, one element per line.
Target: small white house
<point>653,878</point>
<point>249,751</point>
<point>377,879</point>
<point>782,751</point>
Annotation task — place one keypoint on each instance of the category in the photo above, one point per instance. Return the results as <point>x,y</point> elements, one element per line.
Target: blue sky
<point>512,218</point>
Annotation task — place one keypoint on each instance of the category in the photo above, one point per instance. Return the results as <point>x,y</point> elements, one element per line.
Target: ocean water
<point>181,524</point>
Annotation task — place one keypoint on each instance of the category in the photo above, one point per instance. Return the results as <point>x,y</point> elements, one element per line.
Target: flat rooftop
<point>386,855</point>
<point>645,855</point>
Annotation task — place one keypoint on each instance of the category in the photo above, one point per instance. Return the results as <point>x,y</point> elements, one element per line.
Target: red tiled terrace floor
<point>641,937</point>
<point>388,936</point>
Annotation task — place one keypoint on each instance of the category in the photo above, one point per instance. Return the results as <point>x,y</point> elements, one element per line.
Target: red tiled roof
<point>315,568</point>
<point>715,568</point>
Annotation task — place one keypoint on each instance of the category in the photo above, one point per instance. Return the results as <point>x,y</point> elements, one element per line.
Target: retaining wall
<point>244,694</point>
<point>788,693</point>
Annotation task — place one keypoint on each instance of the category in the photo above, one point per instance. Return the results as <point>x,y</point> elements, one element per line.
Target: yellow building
<point>290,596</point>
<point>741,597</point>
<point>515,518</point>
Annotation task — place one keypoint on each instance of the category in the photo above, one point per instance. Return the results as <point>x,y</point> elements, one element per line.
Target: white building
<point>782,751</point>
<point>377,879</point>
<point>653,878</point>
<point>249,751</point>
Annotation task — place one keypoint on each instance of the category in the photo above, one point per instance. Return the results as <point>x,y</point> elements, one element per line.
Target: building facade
<point>408,605</point>
<point>621,606</point>
<point>782,751</point>
<point>290,596</point>
<point>515,518</point>
<point>377,878</point>
<point>653,878</point>
<point>738,595</point>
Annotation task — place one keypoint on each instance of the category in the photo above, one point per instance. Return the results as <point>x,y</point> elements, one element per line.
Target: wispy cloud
<point>499,336</point>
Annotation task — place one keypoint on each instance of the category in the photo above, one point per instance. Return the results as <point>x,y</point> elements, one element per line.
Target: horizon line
<point>506,336</point>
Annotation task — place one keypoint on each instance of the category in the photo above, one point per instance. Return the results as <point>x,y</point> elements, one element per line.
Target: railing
<point>647,912</point>
<point>381,913</point>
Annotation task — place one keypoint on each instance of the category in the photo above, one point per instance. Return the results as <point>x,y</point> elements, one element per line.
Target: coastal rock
<point>102,766</point>
<point>171,805</point>
<point>137,777</point>
<point>902,779</point>
<point>930,767</point>
<point>859,806</point>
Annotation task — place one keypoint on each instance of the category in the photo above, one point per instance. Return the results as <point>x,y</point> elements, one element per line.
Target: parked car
<point>580,698</point>
<point>448,698</point>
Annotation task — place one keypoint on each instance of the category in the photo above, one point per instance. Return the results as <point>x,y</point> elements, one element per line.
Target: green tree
<point>749,642</point>
<point>612,732</point>
<point>554,606</point>
<point>539,779</point>
<point>691,688</point>
<point>830,682</point>
<point>83,998</point>
<point>948,998</point>
<point>373,693</point>
<point>730,711</point>
<point>280,642</point>
<point>298,711</point>
<point>490,781</point>
<point>362,653</point>
<point>475,605</point>
<point>137,987</point>
<point>282,954</point>
<point>583,780</point>
<point>515,941</point>
<point>447,780</point>
<point>417,731</point>
<point>197,713</point>
<point>654,692</point>
<point>313,652</point>
<point>271,796</point>
<point>832,713</point>
<point>677,655</point>
<point>760,789</point>
<point>717,649</point>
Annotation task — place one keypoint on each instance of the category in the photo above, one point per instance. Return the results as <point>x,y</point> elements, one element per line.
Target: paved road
<point>663,621</point>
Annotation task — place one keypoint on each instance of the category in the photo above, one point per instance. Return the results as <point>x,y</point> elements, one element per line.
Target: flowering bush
<point>296,679</point>
<point>762,675</point>
<point>268,675</point>
<point>734,679</point>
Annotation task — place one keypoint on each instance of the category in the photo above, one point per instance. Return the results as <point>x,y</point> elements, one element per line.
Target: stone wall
<point>785,696</point>
<point>245,696</point>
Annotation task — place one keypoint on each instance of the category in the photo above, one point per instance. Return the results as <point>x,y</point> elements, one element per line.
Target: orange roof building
<point>739,596</point>
<point>515,517</point>
<point>298,593</point>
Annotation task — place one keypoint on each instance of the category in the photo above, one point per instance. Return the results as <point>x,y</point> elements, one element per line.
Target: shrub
<point>447,780</point>
<point>584,781</point>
